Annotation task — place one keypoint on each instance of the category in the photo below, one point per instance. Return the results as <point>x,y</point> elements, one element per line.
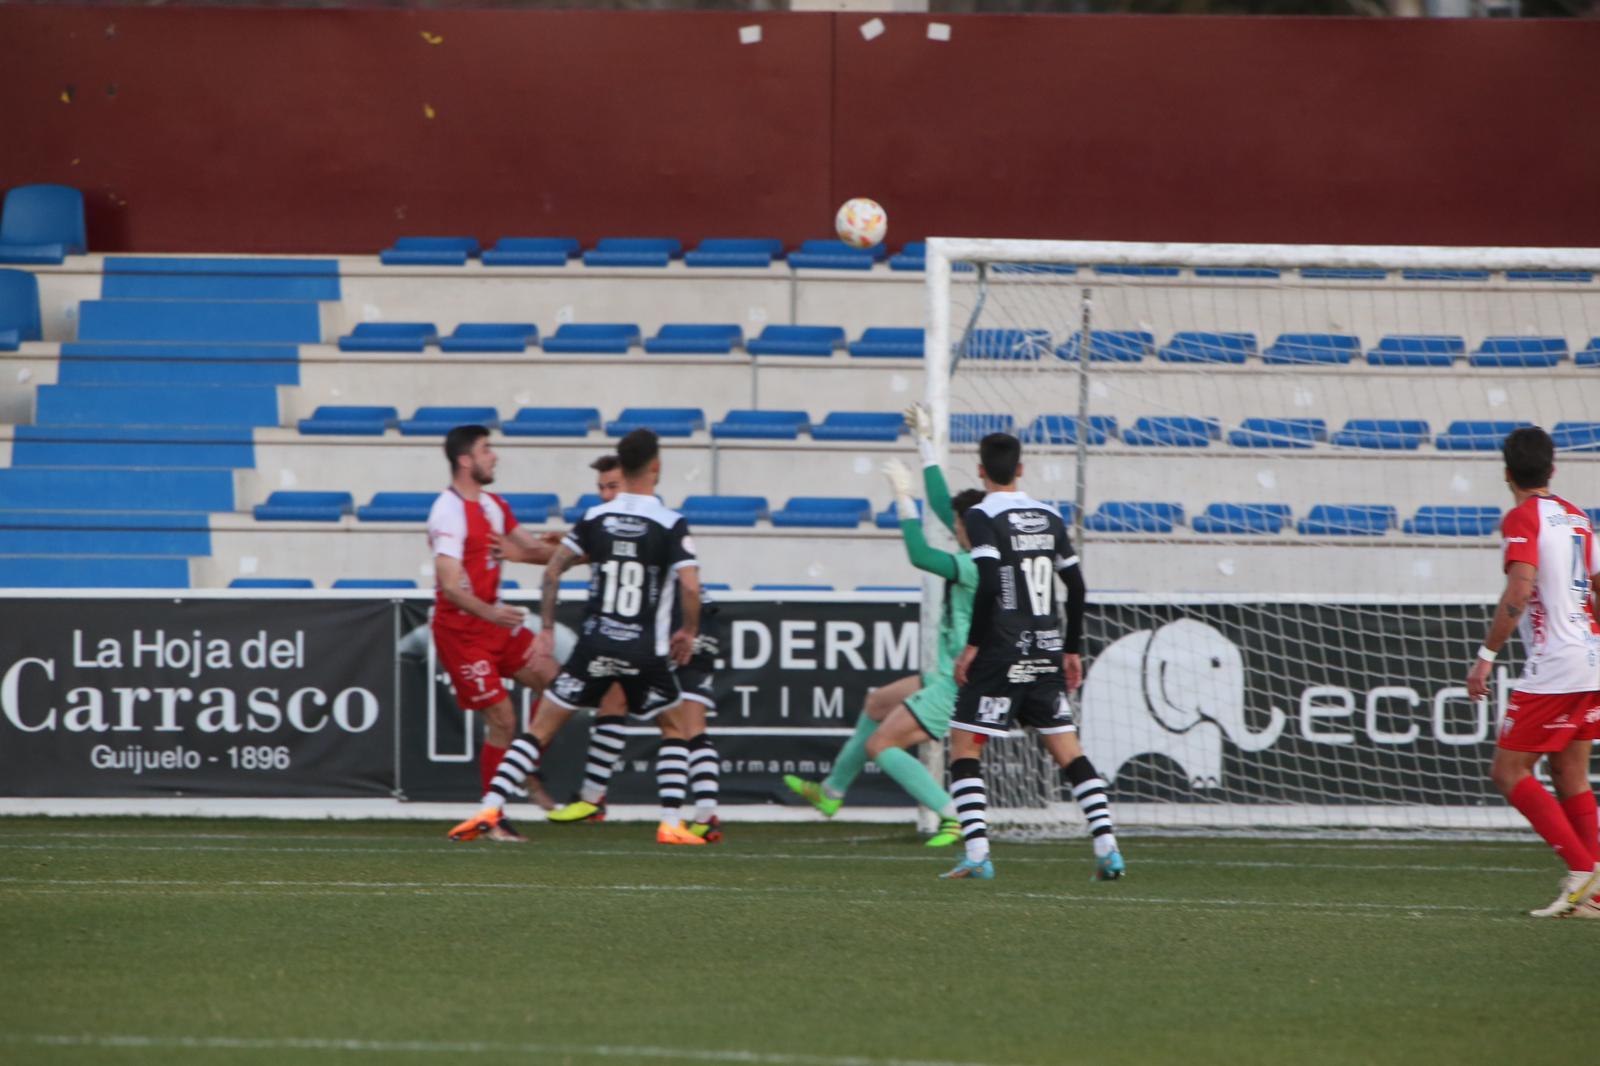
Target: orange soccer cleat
<point>477,825</point>
<point>669,833</point>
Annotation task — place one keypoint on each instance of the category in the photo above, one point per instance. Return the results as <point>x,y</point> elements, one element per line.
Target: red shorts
<point>477,658</point>
<point>1549,721</point>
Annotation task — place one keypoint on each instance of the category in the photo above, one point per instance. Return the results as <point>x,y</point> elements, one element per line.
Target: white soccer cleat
<point>1576,889</point>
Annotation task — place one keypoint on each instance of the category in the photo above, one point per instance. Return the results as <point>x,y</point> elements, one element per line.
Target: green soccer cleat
<point>812,793</point>
<point>1109,867</point>
<point>966,869</point>
<point>578,811</point>
<point>949,832</point>
<point>710,831</point>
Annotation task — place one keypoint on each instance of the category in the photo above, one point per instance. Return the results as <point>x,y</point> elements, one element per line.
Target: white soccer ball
<point>861,222</point>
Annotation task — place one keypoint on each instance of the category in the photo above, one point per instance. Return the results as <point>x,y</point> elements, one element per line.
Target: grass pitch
<point>135,941</point>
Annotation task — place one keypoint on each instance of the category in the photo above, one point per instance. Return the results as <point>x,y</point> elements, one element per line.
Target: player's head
<point>640,455</point>
<point>1530,458</point>
<point>607,477</point>
<point>961,503</point>
<point>467,448</point>
<point>999,460</point>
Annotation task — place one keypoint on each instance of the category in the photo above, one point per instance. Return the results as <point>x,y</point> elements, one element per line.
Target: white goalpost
<point>1280,465</point>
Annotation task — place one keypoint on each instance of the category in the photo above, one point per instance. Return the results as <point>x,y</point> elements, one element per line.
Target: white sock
<point>977,849</point>
<point>669,815</point>
<point>1104,845</point>
<point>491,799</point>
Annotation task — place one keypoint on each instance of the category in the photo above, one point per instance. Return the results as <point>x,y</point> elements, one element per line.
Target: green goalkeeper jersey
<point>957,568</point>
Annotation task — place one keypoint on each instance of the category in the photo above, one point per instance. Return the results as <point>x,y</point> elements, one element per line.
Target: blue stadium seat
<point>217,278</point>
<point>531,251</point>
<point>797,340</point>
<point>397,507</point>
<point>350,421</point>
<point>1236,272</point>
<point>573,513</point>
<point>35,489</point>
<point>1135,516</point>
<point>889,517</point>
<point>1172,431</point>
<point>1134,271</point>
<point>430,251</point>
<point>1348,520</point>
<point>201,321</point>
<point>1393,434</point>
<point>1442,521</point>
<point>695,338</point>
<point>762,425</point>
<point>533,507</point>
<point>1475,436</point>
<point>1242,518</point>
<point>823,512</point>
<point>1519,352</point>
<point>888,342</point>
<point>121,363</point>
<point>389,337</point>
<point>1203,346</point>
<point>304,507</point>
<point>835,255</point>
<point>666,421</point>
<point>19,308</point>
<point>1063,429</point>
<point>437,421</point>
<point>1036,269</point>
<point>1067,509</point>
<point>490,337</point>
<point>633,252</point>
<point>889,588</point>
<point>860,425</point>
<point>574,586</point>
<point>757,252</point>
<point>1590,356</point>
<point>1344,273</point>
<point>1279,433</point>
<point>1568,436</point>
<point>552,422</point>
<point>1444,275</point>
<point>913,256</point>
<point>966,428</point>
<point>127,541</point>
<point>374,583</point>
<point>1337,348</point>
<point>42,224</point>
<point>168,405</point>
<point>121,571</point>
<point>1416,350</point>
<point>127,446</point>
<point>597,338</point>
<point>790,588</point>
<point>1017,344</point>
<point>1110,345</point>
<point>724,510</point>
<point>1549,275</point>
<point>271,583</point>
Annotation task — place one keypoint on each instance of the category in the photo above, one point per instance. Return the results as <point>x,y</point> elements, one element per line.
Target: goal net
<point>1280,465</point>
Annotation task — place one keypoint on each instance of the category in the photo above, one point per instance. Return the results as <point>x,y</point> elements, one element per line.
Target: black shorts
<point>1030,693</point>
<point>695,680</point>
<point>649,684</point>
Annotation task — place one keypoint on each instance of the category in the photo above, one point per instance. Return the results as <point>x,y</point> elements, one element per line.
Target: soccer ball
<point>861,222</point>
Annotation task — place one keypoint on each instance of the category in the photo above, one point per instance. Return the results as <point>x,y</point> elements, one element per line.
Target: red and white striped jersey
<point>460,529</point>
<point>1559,634</point>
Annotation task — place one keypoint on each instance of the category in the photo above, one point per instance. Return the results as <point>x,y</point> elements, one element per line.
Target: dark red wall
<point>308,131</point>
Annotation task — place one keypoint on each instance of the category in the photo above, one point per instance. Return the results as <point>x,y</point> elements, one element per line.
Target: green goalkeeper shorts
<point>933,704</point>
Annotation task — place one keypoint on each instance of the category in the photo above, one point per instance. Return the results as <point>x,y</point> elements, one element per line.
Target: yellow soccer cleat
<point>477,825</point>
<point>668,833</point>
<point>578,811</point>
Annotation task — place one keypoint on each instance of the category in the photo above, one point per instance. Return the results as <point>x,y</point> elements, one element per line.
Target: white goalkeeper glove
<point>921,423</point>
<point>900,481</point>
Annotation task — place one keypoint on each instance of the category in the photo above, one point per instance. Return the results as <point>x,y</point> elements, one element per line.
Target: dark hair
<point>965,500</point>
<point>636,450</point>
<point>605,464</point>
<point>999,453</point>
<point>1530,457</point>
<point>460,441</point>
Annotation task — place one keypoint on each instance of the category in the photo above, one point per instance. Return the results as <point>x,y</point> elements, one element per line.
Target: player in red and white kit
<point>479,640</point>
<point>1551,561</point>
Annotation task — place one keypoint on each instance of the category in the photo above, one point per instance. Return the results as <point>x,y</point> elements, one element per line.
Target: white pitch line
<point>465,1047</point>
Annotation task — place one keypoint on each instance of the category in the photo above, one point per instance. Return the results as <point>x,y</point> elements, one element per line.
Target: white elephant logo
<point>1174,692</point>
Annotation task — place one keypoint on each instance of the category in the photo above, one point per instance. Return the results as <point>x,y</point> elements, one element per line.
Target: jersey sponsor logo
<point>611,629</point>
<point>1030,670</point>
<point>610,666</point>
<point>1029,521</point>
<point>566,686</point>
<point>1033,542</point>
<point>1592,715</point>
<point>992,710</point>
<point>1048,639</point>
<point>621,525</point>
<point>1025,642</point>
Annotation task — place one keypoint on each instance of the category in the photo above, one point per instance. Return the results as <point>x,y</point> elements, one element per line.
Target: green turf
<point>798,945</point>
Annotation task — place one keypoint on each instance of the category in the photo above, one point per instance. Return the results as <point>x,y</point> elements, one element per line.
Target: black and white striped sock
<point>704,765</point>
<point>1089,789</point>
<point>972,806</point>
<point>520,760</point>
<point>672,778</point>
<point>605,748</point>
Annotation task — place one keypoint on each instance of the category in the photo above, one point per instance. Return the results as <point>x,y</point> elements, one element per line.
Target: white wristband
<point>1485,654</point>
<point>930,455</point>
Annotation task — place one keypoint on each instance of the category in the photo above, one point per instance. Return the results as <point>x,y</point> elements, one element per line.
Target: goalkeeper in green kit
<point>913,709</point>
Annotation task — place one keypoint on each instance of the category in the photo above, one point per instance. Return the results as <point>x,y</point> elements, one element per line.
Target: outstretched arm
<point>936,491</point>
<point>923,556</point>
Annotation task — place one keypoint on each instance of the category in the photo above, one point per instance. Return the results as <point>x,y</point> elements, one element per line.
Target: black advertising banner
<point>161,697</point>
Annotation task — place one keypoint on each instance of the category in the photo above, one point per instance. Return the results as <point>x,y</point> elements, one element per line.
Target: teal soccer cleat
<point>966,868</point>
<point>1109,867</point>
